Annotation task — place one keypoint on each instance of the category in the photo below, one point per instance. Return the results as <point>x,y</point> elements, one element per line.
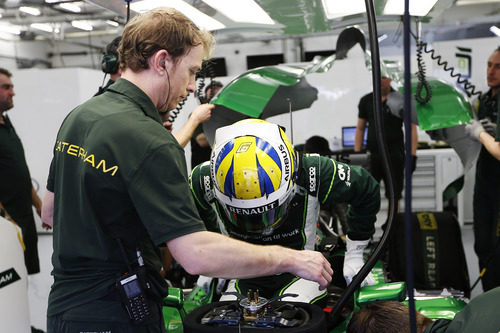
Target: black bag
<point>438,257</point>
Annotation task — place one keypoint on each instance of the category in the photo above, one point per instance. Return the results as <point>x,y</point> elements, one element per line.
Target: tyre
<point>310,316</point>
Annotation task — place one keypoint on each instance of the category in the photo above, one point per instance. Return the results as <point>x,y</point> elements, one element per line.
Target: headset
<point>109,64</point>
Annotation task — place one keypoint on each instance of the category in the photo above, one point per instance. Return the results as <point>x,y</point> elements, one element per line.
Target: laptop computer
<point>348,134</point>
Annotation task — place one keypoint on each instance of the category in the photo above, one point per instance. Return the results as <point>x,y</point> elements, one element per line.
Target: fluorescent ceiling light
<point>70,7</point>
<point>51,1</point>
<point>494,29</point>
<point>81,24</point>
<point>382,37</point>
<point>200,19</point>
<point>42,26</point>
<point>417,8</point>
<point>11,29</point>
<point>241,10</point>
<point>112,23</point>
<point>30,10</point>
<point>340,8</point>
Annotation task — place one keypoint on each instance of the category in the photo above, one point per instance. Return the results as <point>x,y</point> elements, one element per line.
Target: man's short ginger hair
<point>160,29</point>
<point>387,317</point>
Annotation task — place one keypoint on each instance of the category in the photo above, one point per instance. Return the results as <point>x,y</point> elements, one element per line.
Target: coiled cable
<point>423,92</point>
<point>175,112</point>
<point>468,87</point>
<point>207,70</point>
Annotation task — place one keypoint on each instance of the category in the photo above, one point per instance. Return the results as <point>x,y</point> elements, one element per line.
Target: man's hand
<point>168,125</point>
<point>353,261</point>
<point>474,129</point>
<point>202,113</point>
<point>489,126</point>
<point>312,265</point>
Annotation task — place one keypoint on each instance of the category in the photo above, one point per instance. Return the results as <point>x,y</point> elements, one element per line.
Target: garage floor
<point>39,284</point>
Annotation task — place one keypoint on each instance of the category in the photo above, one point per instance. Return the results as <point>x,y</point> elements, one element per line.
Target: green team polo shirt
<point>480,315</point>
<point>116,172</point>
<point>320,178</point>
<point>14,173</point>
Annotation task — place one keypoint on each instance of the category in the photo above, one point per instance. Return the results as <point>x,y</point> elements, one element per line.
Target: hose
<point>335,315</point>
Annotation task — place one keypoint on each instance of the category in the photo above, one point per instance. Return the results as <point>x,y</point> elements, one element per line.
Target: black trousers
<point>20,210</point>
<point>486,205</point>
<point>377,170</point>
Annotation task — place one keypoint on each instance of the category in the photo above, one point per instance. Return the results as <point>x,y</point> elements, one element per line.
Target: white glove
<point>204,283</point>
<point>474,128</point>
<point>353,261</point>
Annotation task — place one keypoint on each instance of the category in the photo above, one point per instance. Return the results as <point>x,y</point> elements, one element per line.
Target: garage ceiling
<point>448,19</point>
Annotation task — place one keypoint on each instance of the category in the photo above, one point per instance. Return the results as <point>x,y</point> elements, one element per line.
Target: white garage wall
<point>43,98</point>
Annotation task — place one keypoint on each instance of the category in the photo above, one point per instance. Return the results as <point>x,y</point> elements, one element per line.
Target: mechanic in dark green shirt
<point>118,189</point>
<point>255,188</point>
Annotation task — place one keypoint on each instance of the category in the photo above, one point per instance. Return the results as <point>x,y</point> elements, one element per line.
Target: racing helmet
<point>253,169</point>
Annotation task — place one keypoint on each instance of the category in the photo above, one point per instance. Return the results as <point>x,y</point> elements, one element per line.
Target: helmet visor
<point>261,220</point>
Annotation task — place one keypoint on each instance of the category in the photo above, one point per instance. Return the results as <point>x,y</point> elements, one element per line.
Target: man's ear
<point>161,60</point>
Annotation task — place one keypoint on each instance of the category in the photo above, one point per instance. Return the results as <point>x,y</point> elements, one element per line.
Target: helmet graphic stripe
<point>223,153</point>
<point>266,184</point>
<point>229,182</point>
<point>223,164</point>
<point>271,169</point>
<point>246,178</point>
<point>269,150</point>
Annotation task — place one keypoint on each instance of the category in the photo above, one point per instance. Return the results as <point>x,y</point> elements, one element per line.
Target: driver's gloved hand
<point>204,283</point>
<point>353,261</point>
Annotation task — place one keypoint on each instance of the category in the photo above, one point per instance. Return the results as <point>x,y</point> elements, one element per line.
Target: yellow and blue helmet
<point>253,168</point>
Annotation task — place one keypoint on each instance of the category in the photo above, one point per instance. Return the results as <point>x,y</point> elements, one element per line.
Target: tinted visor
<point>259,220</point>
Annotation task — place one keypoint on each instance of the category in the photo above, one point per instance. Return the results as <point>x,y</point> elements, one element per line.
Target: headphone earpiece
<point>109,64</point>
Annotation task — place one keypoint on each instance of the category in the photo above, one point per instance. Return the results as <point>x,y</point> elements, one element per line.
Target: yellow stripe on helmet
<point>246,178</point>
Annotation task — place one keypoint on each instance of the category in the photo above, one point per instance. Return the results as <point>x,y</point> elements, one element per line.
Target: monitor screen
<point>348,133</point>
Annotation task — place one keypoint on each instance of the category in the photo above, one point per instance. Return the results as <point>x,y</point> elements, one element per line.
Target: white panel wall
<point>339,91</point>
<point>43,98</point>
